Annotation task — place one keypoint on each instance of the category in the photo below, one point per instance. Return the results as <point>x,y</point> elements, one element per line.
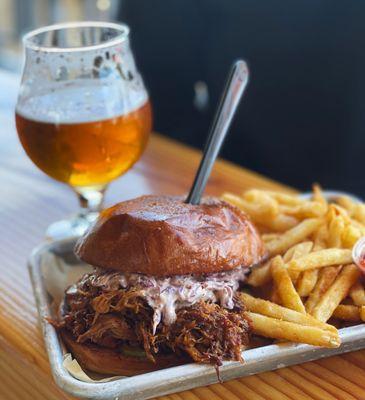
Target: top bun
<point>162,236</point>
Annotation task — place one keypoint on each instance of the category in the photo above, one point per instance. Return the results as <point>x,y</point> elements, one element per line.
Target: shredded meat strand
<point>107,325</point>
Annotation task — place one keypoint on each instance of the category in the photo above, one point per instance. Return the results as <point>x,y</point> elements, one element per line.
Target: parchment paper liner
<point>58,275</point>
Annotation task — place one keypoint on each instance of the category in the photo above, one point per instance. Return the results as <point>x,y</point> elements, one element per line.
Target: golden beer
<point>86,153</point>
<point>83,114</point>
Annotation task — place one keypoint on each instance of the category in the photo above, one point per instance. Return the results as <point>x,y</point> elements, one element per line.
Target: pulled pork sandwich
<point>163,291</point>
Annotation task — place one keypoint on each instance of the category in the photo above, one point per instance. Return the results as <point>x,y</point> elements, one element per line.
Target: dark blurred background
<point>303,116</point>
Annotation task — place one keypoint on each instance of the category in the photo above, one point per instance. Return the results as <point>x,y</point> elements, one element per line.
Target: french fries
<point>359,226</point>
<point>321,258</point>
<point>309,276</point>
<point>275,297</point>
<point>297,251</point>
<point>327,276</point>
<point>269,207</point>
<point>362,313</point>
<point>259,212</point>
<point>357,294</point>
<point>273,310</point>
<point>310,209</point>
<point>318,196</point>
<point>320,238</point>
<point>350,236</point>
<point>346,203</point>
<point>306,282</point>
<point>359,213</point>
<point>277,329</point>
<point>347,312</point>
<point>260,275</point>
<point>293,236</point>
<point>285,199</point>
<point>336,293</point>
<point>267,237</point>
<point>262,214</point>
<point>335,232</point>
<point>281,223</point>
<point>284,286</point>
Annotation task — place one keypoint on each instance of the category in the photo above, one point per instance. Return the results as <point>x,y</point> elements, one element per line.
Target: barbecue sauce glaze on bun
<point>162,236</point>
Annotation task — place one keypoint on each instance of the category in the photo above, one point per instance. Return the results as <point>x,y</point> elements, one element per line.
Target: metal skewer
<point>235,86</point>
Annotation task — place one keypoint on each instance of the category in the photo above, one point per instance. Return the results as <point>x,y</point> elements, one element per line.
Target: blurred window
<point>20,16</point>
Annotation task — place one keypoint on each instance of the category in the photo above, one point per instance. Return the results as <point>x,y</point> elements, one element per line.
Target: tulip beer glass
<point>83,115</point>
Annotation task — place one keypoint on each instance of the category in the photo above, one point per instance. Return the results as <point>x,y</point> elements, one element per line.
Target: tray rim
<point>175,379</point>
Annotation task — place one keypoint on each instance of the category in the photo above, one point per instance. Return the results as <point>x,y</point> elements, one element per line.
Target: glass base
<point>73,227</point>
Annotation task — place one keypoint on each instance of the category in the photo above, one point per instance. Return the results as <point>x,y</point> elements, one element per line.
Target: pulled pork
<point>117,316</point>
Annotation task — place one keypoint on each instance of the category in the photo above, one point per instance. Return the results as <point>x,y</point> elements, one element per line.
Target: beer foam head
<point>81,101</point>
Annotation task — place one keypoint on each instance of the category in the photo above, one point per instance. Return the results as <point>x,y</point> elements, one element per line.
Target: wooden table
<point>30,201</point>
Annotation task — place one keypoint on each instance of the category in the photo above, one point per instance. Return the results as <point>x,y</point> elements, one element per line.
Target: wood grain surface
<point>30,201</point>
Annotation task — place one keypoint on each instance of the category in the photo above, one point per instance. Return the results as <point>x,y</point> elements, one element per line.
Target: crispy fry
<point>309,241</point>
<point>294,275</point>
<point>318,195</point>
<point>267,237</point>
<point>259,213</point>
<point>335,210</point>
<point>347,312</point>
<point>281,223</point>
<point>269,207</point>
<point>308,209</point>
<point>244,205</point>
<point>277,329</point>
<point>362,313</point>
<point>320,238</point>
<point>289,254</point>
<point>260,275</point>
<point>284,285</point>
<point>273,310</point>
<point>359,213</point>
<point>321,258</point>
<point>327,276</point>
<point>306,282</point>
<point>350,236</point>
<point>335,232</point>
<point>298,250</point>
<point>284,198</point>
<point>262,214</point>
<point>347,204</point>
<point>336,293</point>
<point>275,297</point>
<point>293,236</point>
<point>359,226</point>
<point>338,219</point>
<point>357,294</point>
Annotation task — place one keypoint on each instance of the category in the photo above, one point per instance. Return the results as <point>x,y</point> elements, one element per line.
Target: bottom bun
<point>107,361</point>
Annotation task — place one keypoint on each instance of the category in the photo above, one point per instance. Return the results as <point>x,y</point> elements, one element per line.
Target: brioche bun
<point>103,360</point>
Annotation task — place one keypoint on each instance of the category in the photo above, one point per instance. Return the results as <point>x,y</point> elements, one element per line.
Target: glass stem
<point>90,199</point>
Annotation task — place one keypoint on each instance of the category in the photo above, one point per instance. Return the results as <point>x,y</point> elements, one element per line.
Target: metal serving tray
<point>174,379</point>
